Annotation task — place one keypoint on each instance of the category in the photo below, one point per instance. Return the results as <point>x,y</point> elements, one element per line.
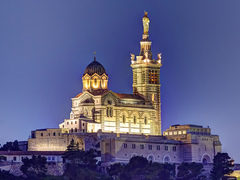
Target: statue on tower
<point>146,22</point>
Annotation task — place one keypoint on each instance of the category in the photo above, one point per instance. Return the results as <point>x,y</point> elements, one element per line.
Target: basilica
<point>125,125</point>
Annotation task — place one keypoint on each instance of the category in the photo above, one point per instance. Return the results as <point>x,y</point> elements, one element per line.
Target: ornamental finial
<point>94,56</point>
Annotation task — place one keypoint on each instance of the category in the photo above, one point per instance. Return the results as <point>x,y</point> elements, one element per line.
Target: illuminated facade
<point>125,125</point>
<point>97,107</point>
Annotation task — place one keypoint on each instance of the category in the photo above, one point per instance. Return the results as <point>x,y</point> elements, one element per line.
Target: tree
<point>35,167</point>
<point>135,168</point>
<point>115,170</point>
<point>74,172</point>
<point>166,172</point>
<point>222,164</point>
<point>159,171</point>
<point>140,168</point>
<point>89,160</point>
<point>10,146</point>
<point>190,171</point>
<point>75,156</point>
<point>5,175</point>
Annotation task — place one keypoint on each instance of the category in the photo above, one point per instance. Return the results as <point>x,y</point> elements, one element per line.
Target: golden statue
<point>146,22</point>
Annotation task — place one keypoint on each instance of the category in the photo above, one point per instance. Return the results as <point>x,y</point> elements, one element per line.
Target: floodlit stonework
<point>125,125</point>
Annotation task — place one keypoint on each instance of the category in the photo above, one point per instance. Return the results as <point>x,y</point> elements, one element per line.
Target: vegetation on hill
<point>35,167</point>
<point>140,168</point>
<point>190,171</point>
<point>80,164</point>
<point>10,146</point>
<point>222,165</point>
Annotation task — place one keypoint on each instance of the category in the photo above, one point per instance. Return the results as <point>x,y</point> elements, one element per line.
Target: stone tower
<point>146,74</point>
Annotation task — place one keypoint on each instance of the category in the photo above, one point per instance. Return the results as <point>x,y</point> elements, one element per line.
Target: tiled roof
<point>31,152</point>
<point>129,96</point>
<point>78,95</point>
<point>99,92</point>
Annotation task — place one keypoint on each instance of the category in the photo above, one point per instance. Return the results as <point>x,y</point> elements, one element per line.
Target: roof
<point>31,152</point>
<point>45,129</point>
<point>119,95</point>
<point>95,92</point>
<point>190,125</point>
<point>94,67</point>
<point>78,95</point>
<point>129,96</point>
<point>99,92</point>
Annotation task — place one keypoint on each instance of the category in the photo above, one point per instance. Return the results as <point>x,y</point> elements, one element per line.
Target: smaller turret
<point>94,77</point>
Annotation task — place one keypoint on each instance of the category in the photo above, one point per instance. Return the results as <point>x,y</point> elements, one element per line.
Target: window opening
<point>145,120</point>
<point>124,119</point>
<point>134,120</point>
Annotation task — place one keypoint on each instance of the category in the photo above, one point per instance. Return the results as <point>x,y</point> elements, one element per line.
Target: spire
<point>94,56</point>
<point>145,43</point>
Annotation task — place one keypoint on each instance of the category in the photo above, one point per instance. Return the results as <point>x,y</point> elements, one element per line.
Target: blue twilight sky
<point>46,45</point>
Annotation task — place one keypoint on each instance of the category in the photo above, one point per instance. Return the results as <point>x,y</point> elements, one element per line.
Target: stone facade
<point>199,145</point>
<point>45,140</point>
<point>121,147</point>
<point>125,125</point>
<point>103,109</point>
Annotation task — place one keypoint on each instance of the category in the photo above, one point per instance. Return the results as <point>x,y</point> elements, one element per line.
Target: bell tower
<point>146,74</point>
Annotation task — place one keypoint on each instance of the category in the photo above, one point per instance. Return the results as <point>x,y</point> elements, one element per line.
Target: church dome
<point>94,67</point>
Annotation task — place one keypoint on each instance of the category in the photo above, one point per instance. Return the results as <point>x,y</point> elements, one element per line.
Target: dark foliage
<point>159,171</point>
<point>5,175</point>
<point>75,171</point>
<point>135,168</point>
<point>35,167</point>
<point>222,164</point>
<point>140,168</point>
<point>75,156</point>
<point>81,164</point>
<point>10,146</point>
<point>190,171</point>
<point>115,170</point>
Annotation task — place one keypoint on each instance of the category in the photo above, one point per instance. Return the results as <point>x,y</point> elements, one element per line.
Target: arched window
<point>54,134</point>
<point>72,130</point>
<point>155,77</point>
<point>87,83</point>
<point>145,120</point>
<point>95,81</point>
<point>150,158</point>
<point>153,98</point>
<point>134,120</point>
<point>166,159</point>
<point>75,129</point>
<point>107,112</point>
<point>124,119</point>
<point>149,77</point>
<point>111,112</point>
<point>204,161</point>
<point>152,77</point>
